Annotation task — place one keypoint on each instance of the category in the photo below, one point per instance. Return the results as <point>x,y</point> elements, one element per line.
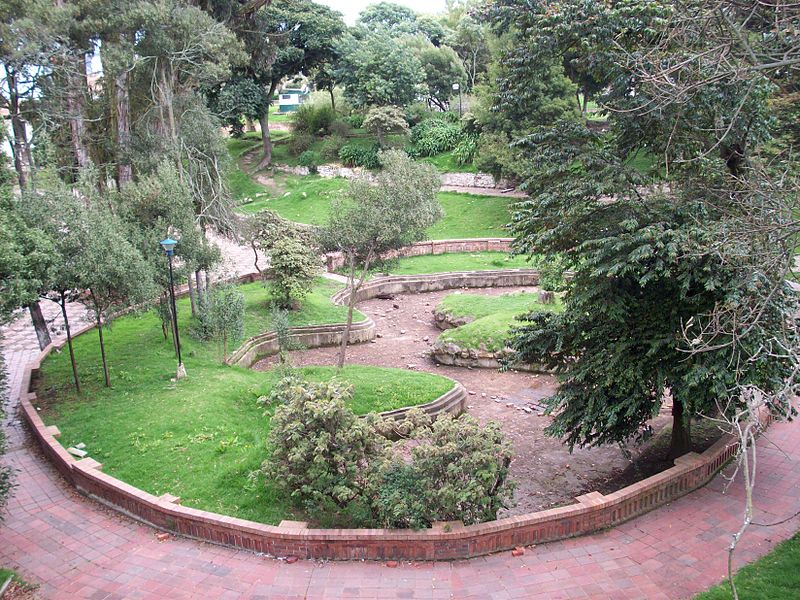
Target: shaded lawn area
<point>493,317</point>
<point>775,576</point>
<point>199,438</point>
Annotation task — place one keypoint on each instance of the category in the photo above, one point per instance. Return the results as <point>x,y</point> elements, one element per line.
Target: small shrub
<point>319,449</point>
<point>331,146</point>
<point>353,155</point>
<point>220,316</point>
<point>310,159</point>
<point>293,267</point>
<point>356,121</point>
<point>551,273</point>
<point>434,136</point>
<point>384,120</point>
<point>465,150</point>
<point>299,143</point>
<point>341,128</point>
<point>417,112</point>
<point>495,155</point>
<point>314,120</point>
<point>458,471</point>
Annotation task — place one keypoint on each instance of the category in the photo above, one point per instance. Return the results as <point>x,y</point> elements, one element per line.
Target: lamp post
<point>169,249</point>
<point>457,88</point>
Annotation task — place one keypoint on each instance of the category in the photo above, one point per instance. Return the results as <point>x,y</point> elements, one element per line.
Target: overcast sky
<point>351,8</point>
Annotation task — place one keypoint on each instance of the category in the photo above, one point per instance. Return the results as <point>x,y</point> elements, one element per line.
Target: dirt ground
<point>547,474</point>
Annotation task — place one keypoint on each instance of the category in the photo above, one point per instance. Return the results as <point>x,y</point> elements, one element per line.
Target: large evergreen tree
<point>679,275</point>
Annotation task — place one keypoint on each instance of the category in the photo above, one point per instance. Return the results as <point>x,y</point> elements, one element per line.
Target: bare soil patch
<point>547,474</point>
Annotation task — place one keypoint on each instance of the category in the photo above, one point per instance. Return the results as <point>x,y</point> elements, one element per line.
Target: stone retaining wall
<point>591,512</point>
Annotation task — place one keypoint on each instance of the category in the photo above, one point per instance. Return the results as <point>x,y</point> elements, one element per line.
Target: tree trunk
<point>351,303</point>
<point>122,108</point>
<point>578,99</point>
<point>77,127</point>
<point>17,128</point>
<point>103,349</point>
<point>192,296</point>
<point>266,142</point>
<point>39,325</point>
<point>63,305</point>
<point>585,108</point>
<point>681,441</point>
<point>255,256</point>
<point>333,100</point>
<point>201,295</point>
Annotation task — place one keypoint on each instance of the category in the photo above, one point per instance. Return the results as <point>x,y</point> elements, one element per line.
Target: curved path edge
<point>591,512</point>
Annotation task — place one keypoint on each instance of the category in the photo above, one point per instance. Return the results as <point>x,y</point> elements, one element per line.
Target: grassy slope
<point>302,199</point>
<point>308,200</point>
<point>200,438</point>
<point>470,216</point>
<point>494,316</point>
<point>775,576</point>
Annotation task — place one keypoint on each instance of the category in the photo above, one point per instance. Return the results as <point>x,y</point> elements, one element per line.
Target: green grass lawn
<point>446,163</point>
<point>493,317</point>
<point>456,261</point>
<point>276,117</point>
<point>775,576</point>
<point>308,199</point>
<point>471,216</point>
<point>304,199</point>
<point>201,437</point>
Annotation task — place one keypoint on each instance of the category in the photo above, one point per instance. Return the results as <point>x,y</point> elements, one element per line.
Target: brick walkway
<point>76,548</point>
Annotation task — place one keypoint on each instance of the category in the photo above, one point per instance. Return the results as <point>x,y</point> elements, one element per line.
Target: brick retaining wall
<point>335,260</point>
<point>591,512</point>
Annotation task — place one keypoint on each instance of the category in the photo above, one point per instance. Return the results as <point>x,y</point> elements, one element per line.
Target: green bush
<point>331,146</point>
<point>293,267</point>
<point>417,112</point>
<point>319,448</point>
<point>458,471</point>
<point>299,143</point>
<point>465,150</point>
<point>310,159</point>
<point>495,155</point>
<point>353,155</point>
<point>314,120</point>
<point>434,136</point>
<point>356,121</point>
<point>340,128</point>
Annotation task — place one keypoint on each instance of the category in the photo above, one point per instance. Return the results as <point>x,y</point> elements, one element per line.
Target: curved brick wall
<point>591,512</point>
<point>334,260</point>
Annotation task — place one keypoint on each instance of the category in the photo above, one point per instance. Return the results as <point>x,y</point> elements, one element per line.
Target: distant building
<point>290,99</point>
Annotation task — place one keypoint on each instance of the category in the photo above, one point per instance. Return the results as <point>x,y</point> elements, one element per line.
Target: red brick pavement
<point>76,548</point>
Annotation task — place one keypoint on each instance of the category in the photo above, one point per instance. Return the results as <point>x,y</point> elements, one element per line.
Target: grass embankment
<point>775,576</point>
<point>200,438</point>
<point>493,317</point>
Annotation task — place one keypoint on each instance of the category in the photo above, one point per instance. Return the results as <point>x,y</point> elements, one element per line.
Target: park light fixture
<point>169,249</point>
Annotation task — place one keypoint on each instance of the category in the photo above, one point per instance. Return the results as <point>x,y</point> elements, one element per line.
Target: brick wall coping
<point>591,512</point>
